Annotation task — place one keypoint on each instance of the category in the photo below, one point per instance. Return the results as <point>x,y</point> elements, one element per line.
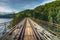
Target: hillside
<point>48,12</point>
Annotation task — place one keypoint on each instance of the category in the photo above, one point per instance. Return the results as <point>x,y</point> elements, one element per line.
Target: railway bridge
<point>27,29</point>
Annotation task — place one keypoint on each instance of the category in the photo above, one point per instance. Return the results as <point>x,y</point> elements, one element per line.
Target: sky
<point>20,5</point>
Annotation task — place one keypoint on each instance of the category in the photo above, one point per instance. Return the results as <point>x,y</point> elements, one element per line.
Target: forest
<point>49,12</point>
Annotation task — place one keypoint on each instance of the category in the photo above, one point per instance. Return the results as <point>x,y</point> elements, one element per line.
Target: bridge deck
<point>28,32</point>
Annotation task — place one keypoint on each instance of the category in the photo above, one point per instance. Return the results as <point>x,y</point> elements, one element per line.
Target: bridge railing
<point>51,27</point>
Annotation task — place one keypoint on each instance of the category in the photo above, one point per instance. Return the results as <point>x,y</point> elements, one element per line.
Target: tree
<point>58,17</point>
<point>50,17</point>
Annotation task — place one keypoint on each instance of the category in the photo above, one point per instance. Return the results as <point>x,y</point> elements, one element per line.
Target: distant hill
<point>3,13</point>
<point>6,15</point>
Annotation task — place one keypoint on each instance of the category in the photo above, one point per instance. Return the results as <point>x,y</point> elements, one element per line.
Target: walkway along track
<point>21,36</point>
<point>21,32</point>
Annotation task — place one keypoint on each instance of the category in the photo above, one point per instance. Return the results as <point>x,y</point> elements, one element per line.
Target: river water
<point>2,27</point>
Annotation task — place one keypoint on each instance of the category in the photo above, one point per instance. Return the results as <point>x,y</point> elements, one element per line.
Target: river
<point>3,20</point>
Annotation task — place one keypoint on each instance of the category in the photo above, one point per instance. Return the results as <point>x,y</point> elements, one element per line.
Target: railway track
<point>28,33</point>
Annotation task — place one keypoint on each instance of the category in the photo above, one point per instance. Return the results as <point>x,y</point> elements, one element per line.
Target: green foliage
<point>48,12</point>
<point>58,17</point>
<point>19,16</point>
<point>50,17</point>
